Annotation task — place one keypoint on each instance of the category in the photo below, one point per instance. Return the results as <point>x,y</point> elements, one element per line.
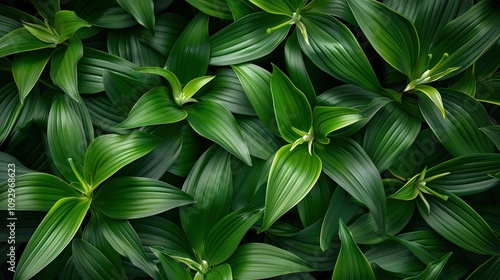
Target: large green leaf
<point>330,118</point>
<point>215,8</point>
<point>489,270</point>
<point>221,272</point>
<point>392,35</point>
<point>36,192</point>
<point>216,123</point>
<point>142,11</point>
<point>351,263</point>
<point>290,106</point>
<point>467,37</point>
<point>336,8</point>
<point>52,235</point>
<point>65,138</point>
<point>91,263</point>
<point>168,27</point>
<point>210,184</point>
<point>21,40</point>
<point>108,153</point>
<point>11,19</point>
<point>138,197</point>
<point>66,23</point>
<point>292,175</point>
<point>315,204</point>
<point>260,261</point>
<point>129,46</point>
<point>171,268</point>
<point>27,68</point>
<point>433,269</point>
<point>261,142</point>
<point>247,39</point>
<point>493,132</point>
<point>10,109</point>
<point>226,235</point>
<point>154,107</point>
<point>456,221</point>
<point>390,132</point>
<point>459,132</point>
<point>123,238</point>
<point>66,76</point>
<point>334,49</point>
<point>191,48</point>
<point>256,84</point>
<point>347,164</point>
<point>279,7</point>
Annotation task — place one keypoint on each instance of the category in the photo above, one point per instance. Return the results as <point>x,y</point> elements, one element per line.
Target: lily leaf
<point>66,72</point>
<point>215,8</point>
<point>66,23</point>
<point>221,272</point>
<point>433,269</point>
<point>327,119</point>
<point>142,11</point>
<point>21,40</point>
<point>171,268</point>
<point>279,7</point>
<point>425,91</point>
<point>91,263</point>
<point>27,68</point>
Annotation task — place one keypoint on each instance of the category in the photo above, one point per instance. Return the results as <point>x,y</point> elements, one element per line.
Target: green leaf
<point>391,34</point>
<point>216,123</point>
<point>290,106</point>
<point>229,46</point>
<point>44,33</point>
<point>36,192</point>
<point>20,40</point>
<point>334,49</point>
<point>193,86</point>
<point>126,242</point>
<point>425,91</point>
<point>210,184</point>
<point>467,84</point>
<point>91,263</point>
<point>493,132</point>
<point>459,132</point>
<point>261,142</point>
<point>433,269</point>
<point>279,7</point>
<point>336,8</point>
<point>154,107</point>
<point>191,48</point>
<point>215,8</point>
<point>27,68</point>
<point>260,261</point>
<point>10,109</point>
<point>168,27</point>
<point>138,197</point>
<point>487,90</point>
<point>347,164</point>
<point>11,18</point>
<point>66,75</point>
<point>108,153</point>
<point>315,204</point>
<point>142,11</point>
<point>171,268</point>
<point>129,46</point>
<point>221,272</point>
<point>240,9</point>
<point>489,270</point>
<point>329,118</point>
<point>168,75</point>
<point>292,175</point>
<point>226,235</point>
<point>47,9</point>
<point>456,221</point>
<point>52,235</point>
<point>256,84</point>
<point>65,139</point>
<point>66,23</point>
<point>351,263</point>
<point>391,131</point>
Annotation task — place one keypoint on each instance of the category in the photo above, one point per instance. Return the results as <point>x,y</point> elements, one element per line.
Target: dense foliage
<point>250,139</point>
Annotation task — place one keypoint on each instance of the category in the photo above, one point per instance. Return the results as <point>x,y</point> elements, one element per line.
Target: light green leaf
<point>489,270</point>
<point>138,197</point>
<point>334,49</point>
<point>292,175</point>
<point>216,123</point>
<point>20,40</point>
<point>171,269</point>
<point>27,68</point>
<point>210,184</point>
<point>229,46</point>
<point>66,139</point>
<point>390,132</point>
<point>52,235</point>
<point>154,107</point>
<point>11,19</point>
<point>126,242</point>
<point>66,75</point>
<point>279,7</point>
<point>329,118</point>
<point>290,106</point>
<point>459,132</point>
<point>142,11</point>
<point>44,33</point>
<point>226,235</point>
<point>347,164</point>
<point>193,86</point>
<point>108,153</point>
<point>240,8</point>
<point>215,8</point>
<point>36,192</point>
<point>425,91</point>
<point>191,48</point>
<point>391,34</point>
<point>91,263</point>
<point>167,74</point>
<point>260,261</point>
<point>433,269</point>
<point>351,263</point>
<point>66,23</point>
<point>493,132</point>
<point>456,221</point>
<point>221,272</point>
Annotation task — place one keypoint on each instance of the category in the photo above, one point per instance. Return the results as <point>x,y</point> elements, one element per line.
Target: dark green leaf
<point>11,18</point>
<point>260,261</point>
<point>240,8</point>
<point>216,123</point>
<point>91,263</point>
<point>467,84</point>
<point>215,8</point>
<point>142,11</point>
<point>493,132</point>
<point>315,204</point>
<point>487,90</point>
<point>221,272</point>
<point>280,7</point>
<point>66,23</point>
<point>261,142</point>
<point>27,68</point>
<point>128,45</point>
<point>433,270</point>
<point>336,8</point>
<point>20,40</point>
<point>66,75</point>
<point>10,109</point>
<point>489,270</point>
<point>171,268</point>
<point>292,175</point>
<point>52,235</point>
<point>247,39</point>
